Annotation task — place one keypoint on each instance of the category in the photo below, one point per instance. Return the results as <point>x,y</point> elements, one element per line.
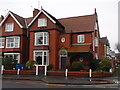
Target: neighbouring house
<point>13,37</point>
<point>105,50</point>
<point>48,40</point>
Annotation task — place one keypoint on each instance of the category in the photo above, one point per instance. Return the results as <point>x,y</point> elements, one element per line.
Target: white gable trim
<point>9,13</point>
<point>39,14</point>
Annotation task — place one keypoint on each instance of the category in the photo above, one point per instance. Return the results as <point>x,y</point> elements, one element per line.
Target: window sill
<point>8,31</point>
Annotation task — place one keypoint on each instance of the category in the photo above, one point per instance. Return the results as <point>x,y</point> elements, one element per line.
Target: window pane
<point>45,60</point>
<point>9,27</point>
<point>39,59</point>
<point>42,22</point>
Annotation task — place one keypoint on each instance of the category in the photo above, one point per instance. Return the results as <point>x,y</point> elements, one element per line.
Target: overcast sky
<point>107,11</point>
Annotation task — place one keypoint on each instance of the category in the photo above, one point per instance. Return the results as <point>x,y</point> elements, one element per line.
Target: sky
<point>107,11</point>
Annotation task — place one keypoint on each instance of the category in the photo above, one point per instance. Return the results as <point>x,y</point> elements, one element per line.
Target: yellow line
<point>81,85</point>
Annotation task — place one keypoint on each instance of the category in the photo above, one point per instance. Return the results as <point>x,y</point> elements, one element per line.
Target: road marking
<point>83,85</point>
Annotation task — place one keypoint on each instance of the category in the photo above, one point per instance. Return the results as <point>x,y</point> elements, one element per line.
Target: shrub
<point>30,64</point>
<point>94,64</point>
<point>50,67</point>
<point>99,71</point>
<point>76,66</point>
<point>105,64</point>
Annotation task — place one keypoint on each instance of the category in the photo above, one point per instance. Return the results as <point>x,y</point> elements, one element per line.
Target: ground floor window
<point>15,56</point>
<point>42,57</point>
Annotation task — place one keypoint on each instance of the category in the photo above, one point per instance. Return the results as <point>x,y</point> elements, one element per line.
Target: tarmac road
<point>40,84</point>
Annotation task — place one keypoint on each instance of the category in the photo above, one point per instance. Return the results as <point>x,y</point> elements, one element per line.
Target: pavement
<point>64,80</point>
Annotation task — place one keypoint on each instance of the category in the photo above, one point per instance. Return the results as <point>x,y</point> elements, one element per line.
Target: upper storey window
<point>42,22</point>
<point>9,27</point>
<point>81,38</point>
<point>41,38</point>
<point>13,42</point>
<point>2,42</point>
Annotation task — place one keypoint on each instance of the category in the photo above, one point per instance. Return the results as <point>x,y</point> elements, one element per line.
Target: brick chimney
<point>35,12</point>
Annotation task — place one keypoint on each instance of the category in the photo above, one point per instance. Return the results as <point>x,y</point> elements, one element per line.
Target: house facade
<point>61,41</point>
<point>13,38</point>
<point>48,40</point>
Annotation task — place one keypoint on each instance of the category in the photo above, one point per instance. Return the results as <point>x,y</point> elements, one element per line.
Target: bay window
<point>12,42</point>
<point>2,42</point>
<point>41,38</point>
<point>15,56</point>
<point>42,57</point>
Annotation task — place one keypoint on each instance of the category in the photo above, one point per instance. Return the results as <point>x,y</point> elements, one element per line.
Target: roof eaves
<point>10,13</point>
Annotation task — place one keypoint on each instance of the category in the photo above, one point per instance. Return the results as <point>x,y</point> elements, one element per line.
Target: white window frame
<point>47,56</point>
<point>79,40</point>
<point>43,34</point>
<point>9,27</point>
<point>14,43</point>
<point>96,42</point>
<point>96,26</point>
<point>2,43</point>
<point>13,56</point>
<point>42,22</point>
<point>96,55</point>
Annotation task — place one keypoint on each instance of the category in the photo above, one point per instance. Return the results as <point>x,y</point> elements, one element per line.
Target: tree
<point>105,64</point>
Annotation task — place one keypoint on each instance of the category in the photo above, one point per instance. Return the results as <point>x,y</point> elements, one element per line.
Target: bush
<point>105,64</point>
<point>30,64</point>
<point>99,71</point>
<point>76,66</point>
<point>94,64</point>
<point>50,67</point>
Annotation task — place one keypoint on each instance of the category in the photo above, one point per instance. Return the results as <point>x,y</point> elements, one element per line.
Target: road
<point>39,84</point>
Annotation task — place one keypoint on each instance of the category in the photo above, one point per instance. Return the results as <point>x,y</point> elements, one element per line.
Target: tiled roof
<point>0,19</point>
<point>57,21</point>
<point>82,48</point>
<point>28,20</point>
<point>105,41</point>
<point>20,19</point>
<point>79,24</point>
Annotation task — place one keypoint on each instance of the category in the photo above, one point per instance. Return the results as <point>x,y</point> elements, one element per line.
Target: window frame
<point>13,56</point>
<point>42,22</point>
<point>14,43</point>
<point>43,41</point>
<point>2,43</point>
<point>9,30</point>
<point>96,42</point>
<point>47,56</point>
<point>79,40</point>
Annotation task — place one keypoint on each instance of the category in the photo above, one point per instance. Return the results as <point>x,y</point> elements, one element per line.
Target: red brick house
<point>61,41</point>
<point>13,37</point>
<point>48,40</point>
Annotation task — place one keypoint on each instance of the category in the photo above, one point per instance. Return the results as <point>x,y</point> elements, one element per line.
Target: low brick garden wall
<point>59,73</point>
<point>22,72</point>
<point>78,74</point>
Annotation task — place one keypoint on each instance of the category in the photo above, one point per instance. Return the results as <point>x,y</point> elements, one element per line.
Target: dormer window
<point>42,22</point>
<point>9,27</point>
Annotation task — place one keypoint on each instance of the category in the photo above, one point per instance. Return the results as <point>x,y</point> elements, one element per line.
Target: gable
<point>14,16</point>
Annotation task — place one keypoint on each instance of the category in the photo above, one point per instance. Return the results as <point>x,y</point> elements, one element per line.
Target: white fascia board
<point>49,17</point>
<point>16,21</point>
<point>39,14</point>
<point>5,18</point>
<point>13,18</point>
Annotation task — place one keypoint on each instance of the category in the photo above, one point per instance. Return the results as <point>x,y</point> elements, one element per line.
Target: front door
<point>63,62</point>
